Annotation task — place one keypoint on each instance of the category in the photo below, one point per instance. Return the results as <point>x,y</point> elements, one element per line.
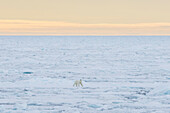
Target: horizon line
<point>29,27</point>
<point>90,35</point>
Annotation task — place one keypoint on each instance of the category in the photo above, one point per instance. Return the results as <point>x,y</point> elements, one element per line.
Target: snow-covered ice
<point>120,74</point>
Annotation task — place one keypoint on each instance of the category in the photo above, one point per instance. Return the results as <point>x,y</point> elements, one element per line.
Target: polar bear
<point>77,83</point>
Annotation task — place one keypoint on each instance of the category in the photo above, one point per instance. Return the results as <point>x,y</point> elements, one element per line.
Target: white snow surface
<point>120,74</point>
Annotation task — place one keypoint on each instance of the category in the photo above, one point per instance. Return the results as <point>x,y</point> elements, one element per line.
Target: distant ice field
<point>120,74</point>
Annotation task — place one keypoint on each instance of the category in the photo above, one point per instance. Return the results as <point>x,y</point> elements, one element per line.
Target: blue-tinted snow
<point>120,74</point>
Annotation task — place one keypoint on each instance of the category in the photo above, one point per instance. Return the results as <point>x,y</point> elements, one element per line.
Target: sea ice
<point>120,74</point>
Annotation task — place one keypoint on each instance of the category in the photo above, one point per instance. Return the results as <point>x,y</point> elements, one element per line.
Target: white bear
<point>77,83</point>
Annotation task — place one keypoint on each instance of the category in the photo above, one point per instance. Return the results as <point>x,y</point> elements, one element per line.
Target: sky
<point>84,17</point>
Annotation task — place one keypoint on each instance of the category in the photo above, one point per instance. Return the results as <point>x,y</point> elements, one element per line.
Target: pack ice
<point>120,74</point>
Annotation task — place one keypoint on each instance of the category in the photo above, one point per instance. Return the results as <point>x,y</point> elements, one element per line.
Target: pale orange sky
<point>84,17</point>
